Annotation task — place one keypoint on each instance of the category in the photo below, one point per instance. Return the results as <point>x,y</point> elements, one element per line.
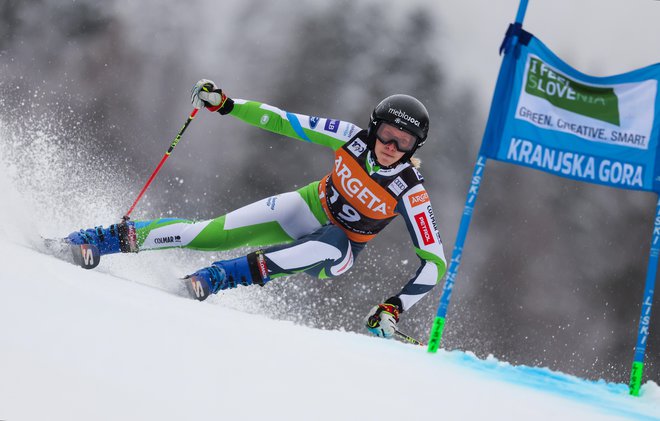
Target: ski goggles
<point>388,134</point>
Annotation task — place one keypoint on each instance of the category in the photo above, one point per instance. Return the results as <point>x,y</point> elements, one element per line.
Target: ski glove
<point>205,94</point>
<point>382,320</point>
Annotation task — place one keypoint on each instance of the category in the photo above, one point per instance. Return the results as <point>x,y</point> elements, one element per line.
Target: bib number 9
<point>349,214</point>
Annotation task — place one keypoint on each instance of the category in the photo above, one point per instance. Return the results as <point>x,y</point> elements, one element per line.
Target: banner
<point>548,116</point>
<point>552,118</point>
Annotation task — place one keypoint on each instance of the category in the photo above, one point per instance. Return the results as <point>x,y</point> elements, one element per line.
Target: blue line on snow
<point>611,398</point>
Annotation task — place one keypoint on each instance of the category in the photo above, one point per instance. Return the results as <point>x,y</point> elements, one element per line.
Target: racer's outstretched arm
<point>322,131</point>
<point>415,208</point>
<point>319,130</point>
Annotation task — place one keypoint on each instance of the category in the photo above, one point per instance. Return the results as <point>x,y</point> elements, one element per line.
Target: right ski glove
<point>205,94</point>
<point>382,320</point>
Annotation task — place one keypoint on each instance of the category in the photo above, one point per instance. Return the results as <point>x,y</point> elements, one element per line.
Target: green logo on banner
<point>565,93</point>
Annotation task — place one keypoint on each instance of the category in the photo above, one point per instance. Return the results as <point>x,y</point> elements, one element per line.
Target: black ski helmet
<point>402,111</point>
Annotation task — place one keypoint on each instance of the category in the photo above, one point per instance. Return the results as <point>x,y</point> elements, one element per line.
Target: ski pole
<point>162,161</point>
<point>407,338</point>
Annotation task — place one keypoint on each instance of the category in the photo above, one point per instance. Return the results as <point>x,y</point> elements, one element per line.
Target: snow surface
<point>87,345</point>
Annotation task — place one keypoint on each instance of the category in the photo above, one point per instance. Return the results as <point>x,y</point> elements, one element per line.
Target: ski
<point>87,256</point>
<point>197,288</point>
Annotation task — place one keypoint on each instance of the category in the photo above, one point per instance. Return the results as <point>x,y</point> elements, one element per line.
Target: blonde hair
<point>415,162</point>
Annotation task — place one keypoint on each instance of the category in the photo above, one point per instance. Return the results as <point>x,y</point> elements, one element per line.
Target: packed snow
<point>88,345</point>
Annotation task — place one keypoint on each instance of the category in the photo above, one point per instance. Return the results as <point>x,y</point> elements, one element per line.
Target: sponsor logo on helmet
<point>313,121</point>
<point>331,125</point>
<point>402,115</point>
<point>418,198</point>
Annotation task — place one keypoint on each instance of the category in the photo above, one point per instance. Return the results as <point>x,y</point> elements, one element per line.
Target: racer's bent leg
<point>325,253</point>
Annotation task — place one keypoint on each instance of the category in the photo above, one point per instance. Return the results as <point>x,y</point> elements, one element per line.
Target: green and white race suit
<point>320,228</point>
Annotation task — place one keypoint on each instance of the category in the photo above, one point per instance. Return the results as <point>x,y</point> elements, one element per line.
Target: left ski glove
<point>205,94</point>
<point>383,318</point>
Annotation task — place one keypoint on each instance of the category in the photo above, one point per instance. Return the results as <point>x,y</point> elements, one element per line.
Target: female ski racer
<point>321,228</point>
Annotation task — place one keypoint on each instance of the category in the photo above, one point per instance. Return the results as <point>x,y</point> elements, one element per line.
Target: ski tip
<point>197,287</point>
<point>87,256</point>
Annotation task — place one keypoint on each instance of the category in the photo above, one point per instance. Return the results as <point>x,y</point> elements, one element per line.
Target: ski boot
<point>114,239</point>
<point>227,274</point>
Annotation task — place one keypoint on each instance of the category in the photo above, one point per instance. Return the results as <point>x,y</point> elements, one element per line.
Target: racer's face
<point>386,150</point>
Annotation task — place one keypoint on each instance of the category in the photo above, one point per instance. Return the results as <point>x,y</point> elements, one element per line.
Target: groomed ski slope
<point>88,345</point>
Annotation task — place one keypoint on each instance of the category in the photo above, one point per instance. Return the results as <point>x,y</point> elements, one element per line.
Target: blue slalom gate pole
<point>499,97</point>
<point>645,318</point>
<point>522,8</point>
<point>439,323</point>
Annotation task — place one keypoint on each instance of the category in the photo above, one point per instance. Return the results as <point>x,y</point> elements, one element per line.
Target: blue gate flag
<point>550,117</point>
